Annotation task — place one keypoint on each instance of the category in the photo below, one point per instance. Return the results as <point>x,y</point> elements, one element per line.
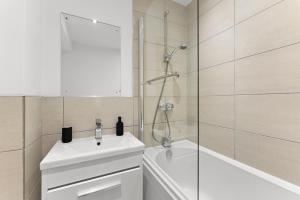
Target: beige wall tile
<point>176,87</point>
<point>192,84</point>
<point>36,193</point>
<point>192,29</point>
<point>177,34</point>
<point>272,72</point>
<point>192,57</point>
<point>150,24</point>
<point>217,139</point>
<point>11,175</point>
<point>33,157</point>
<point>217,110</point>
<point>177,12</point>
<point>159,129</point>
<point>179,61</point>
<point>217,50</point>
<point>153,58</point>
<point>245,9</point>
<point>136,130</point>
<point>179,112</point>
<point>11,123</point>
<point>136,113</point>
<point>33,119</point>
<point>206,5</point>
<point>88,109</point>
<point>216,20</point>
<point>259,34</point>
<point>217,80</point>
<point>192,109</point>
<point>247,148</point>
<point>191,11</point>
<point>277,157</point>
<point>179,130</point>
<point>273,115</point>
<point>151,7</point>
<point>149,110</point>
<point>52,115</point>
<point>48,141</point>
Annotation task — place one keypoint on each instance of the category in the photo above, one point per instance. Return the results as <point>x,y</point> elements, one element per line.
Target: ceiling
<point>183,2</point>
<point>84,31</point>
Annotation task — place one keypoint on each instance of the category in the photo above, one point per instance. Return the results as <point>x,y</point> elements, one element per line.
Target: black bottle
<point>119,127</point>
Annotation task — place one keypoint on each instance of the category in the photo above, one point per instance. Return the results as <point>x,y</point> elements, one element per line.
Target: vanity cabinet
<point>123,185</point>
<point>81,170</point>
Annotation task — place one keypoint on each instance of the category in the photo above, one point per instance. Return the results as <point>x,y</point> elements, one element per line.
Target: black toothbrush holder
<point>66,135</point>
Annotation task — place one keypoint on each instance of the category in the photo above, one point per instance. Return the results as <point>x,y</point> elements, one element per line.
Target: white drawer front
<point>125,185</point>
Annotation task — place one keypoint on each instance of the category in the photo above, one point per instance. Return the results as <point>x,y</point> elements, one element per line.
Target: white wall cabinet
<point>30,42</point>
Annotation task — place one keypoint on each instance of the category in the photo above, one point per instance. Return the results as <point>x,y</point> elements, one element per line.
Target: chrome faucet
<point>98,131</point>
<point>167,142</point>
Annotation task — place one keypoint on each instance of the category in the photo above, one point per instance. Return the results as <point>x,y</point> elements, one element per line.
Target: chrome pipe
<point>141,79</point>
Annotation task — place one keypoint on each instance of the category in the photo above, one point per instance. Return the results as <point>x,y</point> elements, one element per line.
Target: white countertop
<point>86,149</point>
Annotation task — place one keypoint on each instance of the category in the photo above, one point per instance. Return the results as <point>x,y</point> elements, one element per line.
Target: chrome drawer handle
<point>103,188</point>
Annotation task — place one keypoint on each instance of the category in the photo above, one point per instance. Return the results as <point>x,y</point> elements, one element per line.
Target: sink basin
<point>86,149</point>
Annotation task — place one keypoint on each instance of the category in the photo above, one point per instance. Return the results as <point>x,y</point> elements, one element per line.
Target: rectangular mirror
<point>90,57</point>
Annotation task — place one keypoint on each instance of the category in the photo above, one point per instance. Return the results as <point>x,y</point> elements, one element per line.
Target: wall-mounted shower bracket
<point>175,74</point>
<point>166,106</point>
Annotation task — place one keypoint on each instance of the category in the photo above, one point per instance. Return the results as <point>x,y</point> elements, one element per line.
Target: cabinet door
<point>125,185</point>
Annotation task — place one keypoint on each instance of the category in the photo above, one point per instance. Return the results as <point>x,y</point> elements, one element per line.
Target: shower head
<point>168,57</point>
<point>183,47</point>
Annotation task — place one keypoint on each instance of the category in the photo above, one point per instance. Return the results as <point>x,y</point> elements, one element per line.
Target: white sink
<point>86,149</point>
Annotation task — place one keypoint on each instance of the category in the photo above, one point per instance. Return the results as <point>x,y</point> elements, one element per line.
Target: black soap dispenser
<point>119,127</point>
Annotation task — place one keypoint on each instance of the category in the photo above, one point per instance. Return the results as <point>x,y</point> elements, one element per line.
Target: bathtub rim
<point>163,178</point>
<point>188,144</point>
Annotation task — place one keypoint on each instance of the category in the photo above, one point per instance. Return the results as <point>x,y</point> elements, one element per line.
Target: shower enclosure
<point>165,39</point>
<point>165,42</point>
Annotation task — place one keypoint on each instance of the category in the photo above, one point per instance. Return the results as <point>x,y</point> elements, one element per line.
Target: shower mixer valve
<point>166,106</point>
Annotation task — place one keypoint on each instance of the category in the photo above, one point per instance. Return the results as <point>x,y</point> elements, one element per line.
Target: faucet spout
<point>166,142</point>
<point>98,131</point>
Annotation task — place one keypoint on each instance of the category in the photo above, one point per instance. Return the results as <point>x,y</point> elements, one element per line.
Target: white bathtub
<point>172,174</point>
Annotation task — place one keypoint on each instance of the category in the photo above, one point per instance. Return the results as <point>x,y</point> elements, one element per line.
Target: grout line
<point>217,125</point>
<point>13,150</point>
<point>234,80</point>
<point>145,14</point>
<point>24,142</point>
<point>198,98</point>
<point>216,34</point>
<point>250,94</point>
<point>269,50</point>
<point>272,137</point>
<point>245,57</point>
<point>208,10</point>
<point>216,65</point>
<point>31,143</point>
<point>250,132</point>
<point>259,12</point>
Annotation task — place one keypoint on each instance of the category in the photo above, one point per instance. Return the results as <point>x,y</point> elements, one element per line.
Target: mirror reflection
<point>90,57</point>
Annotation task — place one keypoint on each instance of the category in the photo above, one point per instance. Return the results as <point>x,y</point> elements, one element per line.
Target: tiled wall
<point>20,148</point>
<point>81,113</point>
<point>11,148</point>
<point>33,148</point>
<point>249,82</point>
<point>176,88</point>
